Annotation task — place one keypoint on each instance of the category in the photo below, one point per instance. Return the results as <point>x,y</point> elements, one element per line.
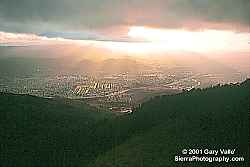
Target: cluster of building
<point>111,91</point>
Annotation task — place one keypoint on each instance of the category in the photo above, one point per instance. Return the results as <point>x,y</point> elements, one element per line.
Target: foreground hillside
<point>59,132</point>
<point>213,118</point>
<point>45,132</point>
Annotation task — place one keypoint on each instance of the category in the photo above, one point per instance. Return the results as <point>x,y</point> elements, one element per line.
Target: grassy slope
<point>211,118</point>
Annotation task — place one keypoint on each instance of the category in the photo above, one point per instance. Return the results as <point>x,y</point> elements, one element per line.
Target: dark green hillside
<point>211,118</point>
<point>45,132</point>
<point>59,132</point>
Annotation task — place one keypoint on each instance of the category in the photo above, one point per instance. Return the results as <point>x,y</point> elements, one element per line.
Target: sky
<point>115,21</point>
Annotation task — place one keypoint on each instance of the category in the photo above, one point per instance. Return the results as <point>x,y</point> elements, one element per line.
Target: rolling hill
<point>61,132</point>
<point>212,118</point>
<point>45,132</point>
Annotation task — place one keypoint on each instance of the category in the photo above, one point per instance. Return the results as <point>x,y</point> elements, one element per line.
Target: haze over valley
<point>104,77</point>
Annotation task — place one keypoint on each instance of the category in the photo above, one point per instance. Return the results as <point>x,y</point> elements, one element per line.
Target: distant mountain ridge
<point>51,66</point>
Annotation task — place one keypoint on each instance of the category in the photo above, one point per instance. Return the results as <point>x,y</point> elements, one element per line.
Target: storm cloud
<point>37,16</point>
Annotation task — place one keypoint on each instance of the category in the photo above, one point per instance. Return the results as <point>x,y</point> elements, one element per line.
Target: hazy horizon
<point>188,44</point>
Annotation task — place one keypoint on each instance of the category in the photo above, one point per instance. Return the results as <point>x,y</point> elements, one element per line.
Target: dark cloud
<point>57,15</point>
<point>63,14</point>
<point>215,10</point>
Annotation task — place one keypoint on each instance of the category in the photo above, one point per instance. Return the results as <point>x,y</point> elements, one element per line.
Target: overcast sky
<point>38,16</point>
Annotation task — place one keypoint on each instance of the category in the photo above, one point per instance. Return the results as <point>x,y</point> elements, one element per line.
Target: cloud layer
<point>76,15</point>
